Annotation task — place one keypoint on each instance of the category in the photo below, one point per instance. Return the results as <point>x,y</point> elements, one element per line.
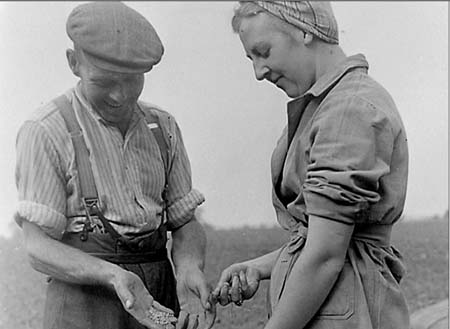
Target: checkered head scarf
<point>315,17</point>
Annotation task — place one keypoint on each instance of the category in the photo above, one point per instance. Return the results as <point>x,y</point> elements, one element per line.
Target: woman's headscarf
<point>315,17</point>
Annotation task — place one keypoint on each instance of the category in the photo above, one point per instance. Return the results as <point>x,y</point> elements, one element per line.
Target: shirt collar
<point>297,106</point>
<point>331,77</point>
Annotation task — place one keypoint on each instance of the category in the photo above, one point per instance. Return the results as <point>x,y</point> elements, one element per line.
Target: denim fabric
<point>74,306</point>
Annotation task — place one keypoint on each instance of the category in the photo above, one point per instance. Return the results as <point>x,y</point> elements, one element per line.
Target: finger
<point>183,320</point>
<point>210,317</point>
<point>215,295</point>
<point>201,320</point>
<point>213,299</point>
<point>243,279</point>
<point>223,297</point>
<point>193,321</point>
<point>235,288</point>
<point>204,295</point>
<point>252,284</point>
<point>224,277</point>
<point>126,297</point>
<point>173,319</point>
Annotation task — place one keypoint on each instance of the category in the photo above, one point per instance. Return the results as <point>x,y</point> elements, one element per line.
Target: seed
<point>162,318</point>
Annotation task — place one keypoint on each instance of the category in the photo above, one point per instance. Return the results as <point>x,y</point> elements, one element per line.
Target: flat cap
<point>114,37</point>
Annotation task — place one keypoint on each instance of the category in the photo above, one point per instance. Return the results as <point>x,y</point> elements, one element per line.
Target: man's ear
<point>73,61</point>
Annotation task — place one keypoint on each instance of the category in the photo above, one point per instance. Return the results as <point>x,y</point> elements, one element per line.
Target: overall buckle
<point>89,205</point>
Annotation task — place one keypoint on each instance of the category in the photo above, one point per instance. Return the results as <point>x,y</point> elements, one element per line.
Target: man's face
<point>112,95</point>
<point>278,56</point>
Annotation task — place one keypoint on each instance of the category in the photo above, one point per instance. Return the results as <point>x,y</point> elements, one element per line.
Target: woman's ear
<point>73,62</point>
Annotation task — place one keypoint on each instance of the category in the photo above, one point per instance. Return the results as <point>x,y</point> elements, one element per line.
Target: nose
<point>118,94</point>
<point>261,70</point>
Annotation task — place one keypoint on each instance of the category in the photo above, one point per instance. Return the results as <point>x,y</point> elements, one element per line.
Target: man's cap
<point>315,17</point>
<point>114,37</point>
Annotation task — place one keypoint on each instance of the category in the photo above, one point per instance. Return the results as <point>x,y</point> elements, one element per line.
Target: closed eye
<point>258,54</point>
<point>102,83</point>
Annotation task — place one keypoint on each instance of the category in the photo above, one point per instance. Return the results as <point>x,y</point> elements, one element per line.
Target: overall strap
<point>87,185</point>
<point>154,124</point>
<point>89,194</point>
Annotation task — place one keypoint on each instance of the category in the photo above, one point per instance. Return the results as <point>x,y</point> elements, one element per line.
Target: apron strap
<point>378,234</point>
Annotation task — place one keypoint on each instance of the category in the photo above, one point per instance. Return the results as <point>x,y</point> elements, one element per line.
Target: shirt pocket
<point>340,303</point>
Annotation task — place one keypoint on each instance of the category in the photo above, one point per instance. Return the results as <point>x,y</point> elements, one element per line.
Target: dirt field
<point>424,245</point>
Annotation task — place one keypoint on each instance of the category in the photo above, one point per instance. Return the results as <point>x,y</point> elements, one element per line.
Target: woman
<point>339,176</point>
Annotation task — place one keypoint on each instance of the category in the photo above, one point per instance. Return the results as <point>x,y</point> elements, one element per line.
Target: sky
<point>229,120</point>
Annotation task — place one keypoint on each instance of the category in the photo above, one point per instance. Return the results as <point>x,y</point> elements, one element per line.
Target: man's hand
<point>237,283</point>
<point>140,304</point>
<point>196,309</point>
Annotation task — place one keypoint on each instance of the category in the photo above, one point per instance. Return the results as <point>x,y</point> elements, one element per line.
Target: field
<point>424,245</point>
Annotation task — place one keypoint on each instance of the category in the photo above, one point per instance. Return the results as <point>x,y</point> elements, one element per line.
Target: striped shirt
<point>128,171</point>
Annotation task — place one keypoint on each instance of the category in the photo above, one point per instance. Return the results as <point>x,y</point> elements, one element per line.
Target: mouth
<point>275,81</point>
<point>113,105</point>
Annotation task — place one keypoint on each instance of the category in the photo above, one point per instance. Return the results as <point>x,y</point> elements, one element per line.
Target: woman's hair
<point>244,10</point>
<point>247,9</point>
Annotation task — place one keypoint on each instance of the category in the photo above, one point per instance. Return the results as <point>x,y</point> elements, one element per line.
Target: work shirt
<point>128,171</point>
<point>343,157</point>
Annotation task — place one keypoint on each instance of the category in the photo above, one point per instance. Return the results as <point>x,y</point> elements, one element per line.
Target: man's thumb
<point>205,298</point>
<point>128,299</point>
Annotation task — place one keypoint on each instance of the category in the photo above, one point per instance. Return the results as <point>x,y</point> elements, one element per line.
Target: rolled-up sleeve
<point>182,198</point>
<point>352,144</point>
<point>39,181</point>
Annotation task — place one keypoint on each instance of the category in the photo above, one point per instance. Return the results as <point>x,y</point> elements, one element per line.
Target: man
<point>101,177</point>
<point>339,174</point>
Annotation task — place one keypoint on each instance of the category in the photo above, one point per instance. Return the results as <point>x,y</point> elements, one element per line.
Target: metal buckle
<point>88,204</point>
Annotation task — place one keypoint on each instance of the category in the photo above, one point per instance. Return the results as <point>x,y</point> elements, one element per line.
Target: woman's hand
<point>237,283</point>
<point>140,304</point>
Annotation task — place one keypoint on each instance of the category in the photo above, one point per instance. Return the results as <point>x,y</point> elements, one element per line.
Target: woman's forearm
<point>264,264</point>
<point>63,262</point>
<point>306,289</point>
<point>313,275</point>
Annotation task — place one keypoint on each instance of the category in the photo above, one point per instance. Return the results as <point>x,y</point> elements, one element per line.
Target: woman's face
<point>278,56</point>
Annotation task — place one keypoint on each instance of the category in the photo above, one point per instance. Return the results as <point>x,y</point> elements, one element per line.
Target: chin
<point>292,93</point>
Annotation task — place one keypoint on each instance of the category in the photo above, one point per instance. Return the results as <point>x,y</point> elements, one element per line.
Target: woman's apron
<point>366,294</point>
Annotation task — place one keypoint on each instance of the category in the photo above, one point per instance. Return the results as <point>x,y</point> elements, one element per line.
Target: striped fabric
<point>128,172</point>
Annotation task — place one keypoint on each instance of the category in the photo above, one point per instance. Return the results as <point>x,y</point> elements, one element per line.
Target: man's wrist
<point>188,266</point>
<point>111,275</point>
